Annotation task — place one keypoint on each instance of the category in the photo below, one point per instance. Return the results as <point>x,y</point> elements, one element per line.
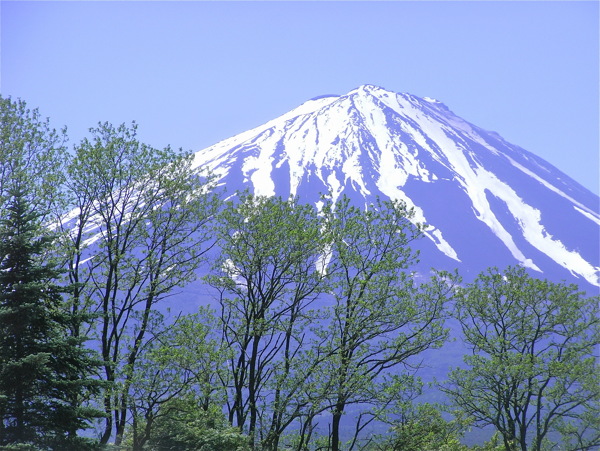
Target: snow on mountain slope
<point>487,202</point>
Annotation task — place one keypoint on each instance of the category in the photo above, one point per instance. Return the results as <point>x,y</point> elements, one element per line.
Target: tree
<point>136,231</point>
<point>380,317</point>
<point>268,276</point>
<point>424,428</point>
<point>532,371</point>
<point>42,368</point>
<point>184,359</point>
<point>417,426</point>
<point>31,151</point>
<point>31,177</point>
<point>184,426</point>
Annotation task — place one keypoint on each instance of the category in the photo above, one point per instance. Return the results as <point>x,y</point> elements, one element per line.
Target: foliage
<point>415,425</point>
<point>180,360</point>
<point>268,276</point>
<point>532,371</point>
<point>30,154</point>
<point>493,444</point>
<point>319,311</point>
<point>42,369</point>
<point>138,230</point>
<point>185,425</point>
<point>424,428</point>
<point>380,317</point>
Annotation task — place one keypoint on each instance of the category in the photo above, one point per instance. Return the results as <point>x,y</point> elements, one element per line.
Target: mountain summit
<point>487,202</point>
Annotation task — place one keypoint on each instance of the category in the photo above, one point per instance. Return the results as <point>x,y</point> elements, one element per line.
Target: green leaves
<point>44,373</point>
<point>268,276</point>
<point>378,317</point>
<point>138,229</point>
<point>533,368</point>
<point>341,273</point>
<point>319,311</point>
<point>31,157</point>
<point>184,426</point>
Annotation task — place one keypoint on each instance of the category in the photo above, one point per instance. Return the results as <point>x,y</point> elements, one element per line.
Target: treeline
<point>318,331</point>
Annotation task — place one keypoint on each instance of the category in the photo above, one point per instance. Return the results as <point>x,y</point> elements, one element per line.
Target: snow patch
<point>349,142</point>
<point>476,180</point>
<point>588,215</point>
<point>591,214</point>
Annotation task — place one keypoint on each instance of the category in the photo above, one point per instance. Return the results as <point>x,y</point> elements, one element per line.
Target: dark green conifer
<point>44,370</point>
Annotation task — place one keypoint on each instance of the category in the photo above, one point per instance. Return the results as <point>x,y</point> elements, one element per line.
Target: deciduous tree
<point>181,360</point>
<point>268,276</point>
<point>533,365</point>
<point>33,152</point>
<point>185,427</point>
<point>379,317</point>
<point>137,230</point>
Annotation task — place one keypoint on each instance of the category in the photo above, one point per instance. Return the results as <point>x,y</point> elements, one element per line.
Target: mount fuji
<point>487,202</point>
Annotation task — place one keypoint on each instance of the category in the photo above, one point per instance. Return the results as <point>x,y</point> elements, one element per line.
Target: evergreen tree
<point>44,372</point>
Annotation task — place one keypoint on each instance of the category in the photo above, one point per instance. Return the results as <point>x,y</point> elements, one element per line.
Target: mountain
<point>487,202</point>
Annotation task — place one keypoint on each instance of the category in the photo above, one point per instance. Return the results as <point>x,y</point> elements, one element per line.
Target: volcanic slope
<point>487,202</point>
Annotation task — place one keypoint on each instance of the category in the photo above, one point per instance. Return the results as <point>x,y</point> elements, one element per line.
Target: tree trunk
<point>120,416</point>
<point>335,426</point>
<point>109,422</point>
<point>252,388</point>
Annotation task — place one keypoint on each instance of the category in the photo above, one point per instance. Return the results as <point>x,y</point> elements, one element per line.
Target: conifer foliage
<point>41,369</point>
<point>45,372</point>
<point>322,318</point>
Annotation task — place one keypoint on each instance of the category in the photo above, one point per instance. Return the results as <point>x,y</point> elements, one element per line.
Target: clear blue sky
<point>194,73</point>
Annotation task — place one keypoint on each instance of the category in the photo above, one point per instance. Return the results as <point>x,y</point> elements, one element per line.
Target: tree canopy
<point>44,372</point>
<point>316,332</point>
<point>533,370</point>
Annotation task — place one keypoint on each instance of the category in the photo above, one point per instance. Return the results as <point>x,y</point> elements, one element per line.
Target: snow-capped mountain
<point>487,202</point>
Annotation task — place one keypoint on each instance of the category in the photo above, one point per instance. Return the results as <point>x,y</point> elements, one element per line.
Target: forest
<point>314,335</point>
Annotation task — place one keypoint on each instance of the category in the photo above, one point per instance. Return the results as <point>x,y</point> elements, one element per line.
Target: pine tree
<point>44,371</point>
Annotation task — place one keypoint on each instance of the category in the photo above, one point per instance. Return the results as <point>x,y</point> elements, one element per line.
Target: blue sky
<point>194,73</point>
